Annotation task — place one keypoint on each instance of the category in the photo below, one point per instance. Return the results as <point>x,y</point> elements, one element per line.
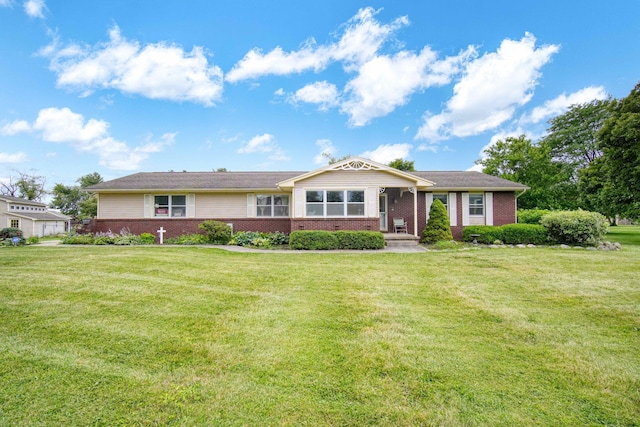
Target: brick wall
<point>333,224</point>
<point>504,208</point>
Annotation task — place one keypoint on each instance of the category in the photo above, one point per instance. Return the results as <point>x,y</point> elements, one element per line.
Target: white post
<point>161,233</point>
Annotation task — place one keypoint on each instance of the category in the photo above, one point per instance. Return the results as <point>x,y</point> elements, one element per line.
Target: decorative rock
<point>565,247</point>
<point>531,245</point>
<point>520,246</point>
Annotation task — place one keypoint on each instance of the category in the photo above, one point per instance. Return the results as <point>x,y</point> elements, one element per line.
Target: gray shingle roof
<point>40,216</point>
<point>221,181</point>
<point>20,200</point>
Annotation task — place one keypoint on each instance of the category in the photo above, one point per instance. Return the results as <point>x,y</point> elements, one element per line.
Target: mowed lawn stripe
<point>189,336</point>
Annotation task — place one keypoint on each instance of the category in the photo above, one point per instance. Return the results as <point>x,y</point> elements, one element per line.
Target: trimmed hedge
<point>488,233</point>
<point>331,240</point>
<point>515,234</point>
<point>511,234</point>
<point>576,227</point>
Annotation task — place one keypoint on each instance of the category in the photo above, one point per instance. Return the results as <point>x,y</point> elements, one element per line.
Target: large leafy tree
<point>518,159</point>
<point>27,186</point>
<point>620,144</point>
<point>74,200</point>
<point>572,141</point>
<point>403,165</point>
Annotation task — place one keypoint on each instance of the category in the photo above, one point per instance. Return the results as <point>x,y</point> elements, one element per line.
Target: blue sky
<point>119,86</point>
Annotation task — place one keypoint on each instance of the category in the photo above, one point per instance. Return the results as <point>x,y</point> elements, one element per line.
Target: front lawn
<point>105,335</point>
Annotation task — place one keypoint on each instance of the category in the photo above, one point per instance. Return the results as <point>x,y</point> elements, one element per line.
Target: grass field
<point>198,336</point>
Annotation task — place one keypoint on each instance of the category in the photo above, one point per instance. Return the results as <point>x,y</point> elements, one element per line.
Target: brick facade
<point>400,204</point>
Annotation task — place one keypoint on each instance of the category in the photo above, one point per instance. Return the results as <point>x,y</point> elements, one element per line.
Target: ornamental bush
<point>259,239</point>
<point>437,228</point>
<point>147,238</point>
<point>531,216</point>
<point>78,239</point>
<point>217,232</point>
<point>10,232</point>
<point>187,239</point>
<point>576,227</point>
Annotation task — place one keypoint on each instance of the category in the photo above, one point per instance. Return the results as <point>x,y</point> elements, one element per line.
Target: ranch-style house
<point>353,194</point>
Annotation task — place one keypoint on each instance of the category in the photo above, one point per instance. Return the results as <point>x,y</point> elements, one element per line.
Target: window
<point>14,223</point>
<point>272,205</point>
<point>336,203</point>
<point>443,197</point>
<point>476,204</point>
<point>174,206</point>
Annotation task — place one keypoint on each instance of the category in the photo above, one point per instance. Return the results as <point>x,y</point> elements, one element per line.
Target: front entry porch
<point>401,239</point>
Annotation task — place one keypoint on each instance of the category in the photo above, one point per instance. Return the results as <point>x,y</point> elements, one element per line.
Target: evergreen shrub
<point>576,227</point>
<point>437,228</point>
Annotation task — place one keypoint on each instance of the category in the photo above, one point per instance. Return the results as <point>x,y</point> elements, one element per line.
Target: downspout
<point>517,197</point>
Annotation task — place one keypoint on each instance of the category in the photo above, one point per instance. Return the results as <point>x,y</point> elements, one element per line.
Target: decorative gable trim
<point>356,164</point>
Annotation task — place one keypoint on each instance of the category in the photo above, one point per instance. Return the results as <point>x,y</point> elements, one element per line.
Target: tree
<point>437,228</point>
<point>403,165</point>
<point>620,144</point>
<point>30,187</point>
<point>518,159</point>
<point>74,200</point>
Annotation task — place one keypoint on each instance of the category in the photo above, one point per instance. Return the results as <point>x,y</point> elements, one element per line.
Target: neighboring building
<point>353,194</point>
<point>33,218</point>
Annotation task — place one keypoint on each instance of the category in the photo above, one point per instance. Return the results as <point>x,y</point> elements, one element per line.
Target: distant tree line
<point>589,159</point>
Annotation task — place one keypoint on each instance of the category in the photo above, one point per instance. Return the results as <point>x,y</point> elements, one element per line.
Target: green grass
<point>198,336</point>
<point>625,234</point>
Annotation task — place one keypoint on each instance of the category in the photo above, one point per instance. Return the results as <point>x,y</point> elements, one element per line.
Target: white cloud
<point>156,71</point>
<point>361,39</point>
<point>265,143</point>
<point>6,3</point>
<point>559,105</point>
<point>34,8</point>
<point>386,82</point>
<point>13,128</point>
<point>388,152</point>
<point>322,93</point>
<point>327,149</point>
<point>492,88</point>
<point>260,143</point>
<point>18,157</point>
<point>63,126</point>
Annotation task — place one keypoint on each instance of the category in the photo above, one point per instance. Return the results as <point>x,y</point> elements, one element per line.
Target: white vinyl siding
<point>112,206</point>
<point>355,179</point>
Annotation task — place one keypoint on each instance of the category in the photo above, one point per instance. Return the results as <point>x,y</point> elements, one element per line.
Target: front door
<point>383,213</point>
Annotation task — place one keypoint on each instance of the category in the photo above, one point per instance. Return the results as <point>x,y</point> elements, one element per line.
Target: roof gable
<point>356,164</point>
